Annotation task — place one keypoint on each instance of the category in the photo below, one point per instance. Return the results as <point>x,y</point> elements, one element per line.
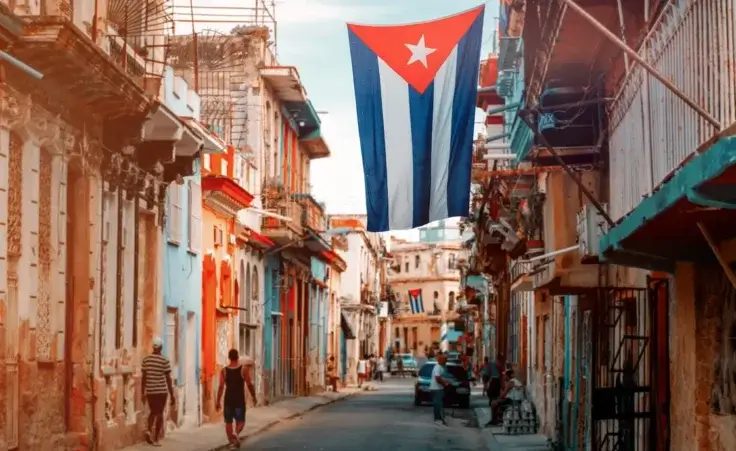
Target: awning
<point>663,228</point>
<point>347,329</point>
<point>316,243</point>
<point>259,240</point>
<point>332,258</point>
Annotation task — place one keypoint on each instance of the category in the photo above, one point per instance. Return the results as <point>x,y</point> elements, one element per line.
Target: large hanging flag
<point>415,92</point>
<point>415,301</point>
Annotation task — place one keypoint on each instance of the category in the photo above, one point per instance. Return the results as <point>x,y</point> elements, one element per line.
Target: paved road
<point>386,419</point>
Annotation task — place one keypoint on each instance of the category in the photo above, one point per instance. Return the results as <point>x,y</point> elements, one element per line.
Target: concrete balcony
<point>281,231</point>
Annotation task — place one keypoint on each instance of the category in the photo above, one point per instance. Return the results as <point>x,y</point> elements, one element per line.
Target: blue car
<point>409,364</point>
<point>455,374</point>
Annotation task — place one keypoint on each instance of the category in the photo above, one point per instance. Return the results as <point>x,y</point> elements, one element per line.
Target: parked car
<point>409,364</point>
<point>455,374</point>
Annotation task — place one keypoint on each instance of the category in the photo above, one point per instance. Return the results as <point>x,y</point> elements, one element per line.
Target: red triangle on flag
<point>406,48</point>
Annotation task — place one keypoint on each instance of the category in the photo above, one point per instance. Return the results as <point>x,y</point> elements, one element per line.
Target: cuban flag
<point>415,93</point>
<point>415,301</point>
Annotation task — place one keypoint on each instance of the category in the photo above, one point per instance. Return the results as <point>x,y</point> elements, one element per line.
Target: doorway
<point>191,393</point>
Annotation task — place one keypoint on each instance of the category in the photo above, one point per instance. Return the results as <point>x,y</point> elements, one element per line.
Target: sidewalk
<point>211,437</point>
<point>496,441</point>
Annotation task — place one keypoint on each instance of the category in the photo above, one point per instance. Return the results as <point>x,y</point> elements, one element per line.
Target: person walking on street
<point>381,368</point>
<point>400,366</point>
<point>437,386</point>
<point>233,379</point>
<point>362,368</point>
<point>332,373</point>
<point>485,374</point>
<point>157,387</point>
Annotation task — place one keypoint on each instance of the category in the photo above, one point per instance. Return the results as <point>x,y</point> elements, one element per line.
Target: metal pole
<point>31,72</point>
<point>714,247</point>
<point>635,56</point>
<point>569,171</point>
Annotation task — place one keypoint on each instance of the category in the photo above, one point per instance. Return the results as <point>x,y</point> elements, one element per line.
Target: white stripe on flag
<point>399,158</point>
<point>444,92</point>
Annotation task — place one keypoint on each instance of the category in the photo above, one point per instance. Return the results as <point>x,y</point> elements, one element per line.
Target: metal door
<point>624,408</point>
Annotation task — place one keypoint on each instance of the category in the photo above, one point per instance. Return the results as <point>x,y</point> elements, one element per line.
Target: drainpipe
<point>100,331</point>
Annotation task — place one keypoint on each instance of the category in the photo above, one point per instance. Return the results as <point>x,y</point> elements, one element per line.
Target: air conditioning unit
<point>591,227</point>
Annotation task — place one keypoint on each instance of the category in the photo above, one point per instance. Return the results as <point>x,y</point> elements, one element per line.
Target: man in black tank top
<point>233,379</point>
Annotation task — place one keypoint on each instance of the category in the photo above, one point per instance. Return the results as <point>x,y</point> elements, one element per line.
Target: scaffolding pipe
<point>496,147</point>
<point>646,66</point>
<point>503,108</point>
<point>497,137</point>
<point>31,72</point>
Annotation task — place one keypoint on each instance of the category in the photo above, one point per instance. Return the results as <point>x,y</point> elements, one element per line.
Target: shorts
<point>231,414</point>
<point>157,402</point>
<point>361,375</point>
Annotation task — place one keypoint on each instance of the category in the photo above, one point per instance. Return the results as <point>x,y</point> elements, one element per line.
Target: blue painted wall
<point>182,269</point>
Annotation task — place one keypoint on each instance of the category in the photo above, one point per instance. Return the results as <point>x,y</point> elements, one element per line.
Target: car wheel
<point>465,403</point>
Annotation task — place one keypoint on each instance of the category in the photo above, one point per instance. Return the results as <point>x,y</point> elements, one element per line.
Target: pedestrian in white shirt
<point>381,368</point>
<point>437,386</point>
<point>362,369</point>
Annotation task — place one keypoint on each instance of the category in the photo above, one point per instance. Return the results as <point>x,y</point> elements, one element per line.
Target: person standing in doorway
<point>362,368</point>
<point>437,386</point>
<point>233,380</point>
<point>157,387</point>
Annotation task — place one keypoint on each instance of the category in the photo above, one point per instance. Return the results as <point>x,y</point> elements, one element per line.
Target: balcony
<point>280,231</point>
<point>111,77</point>
<point>313,215</point>
<point>521,275</point>
<point>653,133</point>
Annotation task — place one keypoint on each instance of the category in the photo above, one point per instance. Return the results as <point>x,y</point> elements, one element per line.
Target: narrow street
<point>384,419</point>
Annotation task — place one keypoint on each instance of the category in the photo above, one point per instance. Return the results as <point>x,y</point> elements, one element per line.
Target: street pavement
<point>383,419</point>
<point>211,437</point>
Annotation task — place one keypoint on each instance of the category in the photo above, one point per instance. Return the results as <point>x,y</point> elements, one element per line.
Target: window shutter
<point>195,209</point>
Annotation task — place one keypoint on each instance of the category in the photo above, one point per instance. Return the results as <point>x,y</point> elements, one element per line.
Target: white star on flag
<point>419,52</point>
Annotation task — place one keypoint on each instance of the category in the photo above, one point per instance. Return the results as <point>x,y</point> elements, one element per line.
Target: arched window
<point>451,262</point>
<point>417,261</point>
<point>451,301</point>
<point>436,304</point>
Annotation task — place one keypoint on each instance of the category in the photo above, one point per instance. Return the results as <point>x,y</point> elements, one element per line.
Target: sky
<point>312,35</point>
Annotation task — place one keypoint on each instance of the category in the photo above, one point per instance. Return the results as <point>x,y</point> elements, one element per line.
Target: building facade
<point>621,261</point>
<point>426,279</point>
<point>364,254</point>
<point>81,235</point>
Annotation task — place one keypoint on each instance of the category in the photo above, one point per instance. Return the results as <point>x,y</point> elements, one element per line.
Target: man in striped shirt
<point>157,386</point>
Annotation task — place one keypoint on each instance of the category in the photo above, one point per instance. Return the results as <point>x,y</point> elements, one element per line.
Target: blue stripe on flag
<point>367,84</point>
<point>463,120</point>
<point>420,108</point>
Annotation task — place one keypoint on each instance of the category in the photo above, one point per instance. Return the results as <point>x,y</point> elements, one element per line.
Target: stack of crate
<point>520,419</point>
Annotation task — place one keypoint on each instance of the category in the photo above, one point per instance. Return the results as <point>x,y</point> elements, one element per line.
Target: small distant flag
<point>416,302</point>
<point>415,93</point>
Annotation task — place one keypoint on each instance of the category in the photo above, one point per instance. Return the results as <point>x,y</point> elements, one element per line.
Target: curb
<point>267,426</point>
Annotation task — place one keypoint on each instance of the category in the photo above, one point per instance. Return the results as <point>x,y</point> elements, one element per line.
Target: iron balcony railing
<point>652,131</point>
<point>519,269</point>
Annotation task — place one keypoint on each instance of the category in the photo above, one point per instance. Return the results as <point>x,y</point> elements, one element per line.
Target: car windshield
<point>426,371</point>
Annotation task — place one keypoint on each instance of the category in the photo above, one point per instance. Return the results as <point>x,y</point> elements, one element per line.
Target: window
<point>206,161</point>
<point>417,261</point>
<point>223,167</point>
<point>451,262</point>
<point>451,301</point>
<point>247,333</point>
<point>174,213</point>
<point>219,237</point>
<point>406,267</point>
<point>194,240</point>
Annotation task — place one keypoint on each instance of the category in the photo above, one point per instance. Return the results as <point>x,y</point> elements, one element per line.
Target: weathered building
<point>426,279</point>
<point>86,154</point>
<point>627,128</point>
<point>359,290</point>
